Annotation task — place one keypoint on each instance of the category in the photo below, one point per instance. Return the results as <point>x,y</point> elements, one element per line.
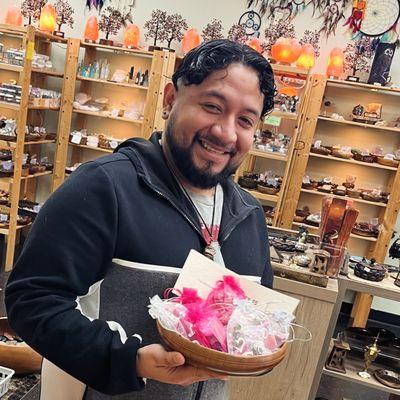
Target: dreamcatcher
<point>287,9</point>
<point>380,19</point>
<point>331,13</point>
<point>252,22</point>
<point>357,15</point>
<point>124,6</point>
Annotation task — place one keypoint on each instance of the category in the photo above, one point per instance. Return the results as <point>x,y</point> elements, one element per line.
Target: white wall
<point>198,13</point>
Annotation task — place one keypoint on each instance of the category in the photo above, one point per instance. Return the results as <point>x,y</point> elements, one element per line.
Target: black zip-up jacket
<point>128,206</point>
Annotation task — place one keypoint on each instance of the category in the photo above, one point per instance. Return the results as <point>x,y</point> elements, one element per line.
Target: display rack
<point>356,134</point>
<point>292,122</point>
<point>30,40</point>
<point>341,95</point>
<point>159,63</point>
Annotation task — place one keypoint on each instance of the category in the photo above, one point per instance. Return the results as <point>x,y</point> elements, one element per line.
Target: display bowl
<point>218,361</point>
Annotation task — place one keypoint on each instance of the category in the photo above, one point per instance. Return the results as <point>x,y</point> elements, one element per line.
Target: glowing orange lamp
<point>48,18</point>
<point>286,50</point>
<point>335,63</point>
<point>91,34</point>
<point>255,44</point>
<point>131,36</point>
<point>307,57</point>
<point>191,39</point>
<point>13,16</point>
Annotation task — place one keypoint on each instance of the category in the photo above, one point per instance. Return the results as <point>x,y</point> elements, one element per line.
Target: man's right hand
<point>154,362</point>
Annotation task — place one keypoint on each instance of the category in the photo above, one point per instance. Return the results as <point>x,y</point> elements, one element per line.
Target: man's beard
<point>202,178</point>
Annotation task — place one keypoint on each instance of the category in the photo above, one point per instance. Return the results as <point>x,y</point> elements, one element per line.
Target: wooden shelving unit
<point>160,65</point>
<point>291,123</point>
<point>318,125</point>
<point>30,39</point>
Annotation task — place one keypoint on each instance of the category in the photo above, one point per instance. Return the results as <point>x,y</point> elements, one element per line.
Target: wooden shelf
<point>359,85</point>
<point>48,72</point>
<point>351,161</point>
<point>11,179</point>
<point>91,148</point>
<point>99,115</point>
<point>283,115</point>
<point>10,67</point>
<point>122,84</point>
<point>137,52</point>
<point>44,108</point>
<point>288,69</point>
<point>368,126</point>
<point>263,196</point>
<point>5,231</point>
<point>373,203</point>
<point>4,144</point>
<point>9,106</point>
<point>354,365</point>
<point>352,235</point>
<point>266,154</point>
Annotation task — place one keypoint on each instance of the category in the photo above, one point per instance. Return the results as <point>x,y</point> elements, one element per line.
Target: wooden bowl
<point>388,162</point>
<point>217,361</point>
<point>267,190</point>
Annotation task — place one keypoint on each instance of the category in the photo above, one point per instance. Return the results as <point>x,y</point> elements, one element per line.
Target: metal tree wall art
<point>237,33</point>
<point>64,14</point>
<point>311,37</point>
<point>174,28</point>
<point>281,28</point>
<point>112,20</point>
<point>156,26</point>
<point>31,9</point>
<point>358,55</point>
<point>213,30</point>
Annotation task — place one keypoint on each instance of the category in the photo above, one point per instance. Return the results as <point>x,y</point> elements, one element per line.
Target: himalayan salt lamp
<point>255,44</point>
<point>335,63</point>
<point>288,91</point>
<point>91,33</point>
<point>191,39</point>
<point>13,16</point>
<point>307,57</point>
<point>286,50</point>
<point>131,36</point>
<point>48,18</point>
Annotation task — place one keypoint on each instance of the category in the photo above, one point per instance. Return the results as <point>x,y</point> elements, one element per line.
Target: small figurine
<point>358,110</point>
<point>370,354</point>
<point>337,357</point>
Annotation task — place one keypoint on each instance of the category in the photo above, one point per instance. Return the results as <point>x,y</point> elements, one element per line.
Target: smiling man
<point>150,202</point>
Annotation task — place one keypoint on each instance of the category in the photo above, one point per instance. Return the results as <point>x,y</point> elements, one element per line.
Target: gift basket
<point>225,330</point>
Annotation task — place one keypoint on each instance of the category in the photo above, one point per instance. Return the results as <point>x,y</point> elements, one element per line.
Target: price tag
<point>273,120</point>
<point>76,138</point>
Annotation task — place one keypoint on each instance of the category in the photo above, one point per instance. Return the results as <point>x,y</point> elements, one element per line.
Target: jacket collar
<point>151,166</point>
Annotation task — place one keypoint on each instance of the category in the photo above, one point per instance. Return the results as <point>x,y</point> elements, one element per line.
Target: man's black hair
<point>215,55</point>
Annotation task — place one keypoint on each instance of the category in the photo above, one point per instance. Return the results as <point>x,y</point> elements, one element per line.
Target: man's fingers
<point>174,359</point>
<point>189,374</point>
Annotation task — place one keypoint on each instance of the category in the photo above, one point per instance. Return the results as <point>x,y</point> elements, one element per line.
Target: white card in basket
<point>201,273</point>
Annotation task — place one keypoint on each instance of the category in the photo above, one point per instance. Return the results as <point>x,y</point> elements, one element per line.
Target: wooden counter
<point>292,379</point>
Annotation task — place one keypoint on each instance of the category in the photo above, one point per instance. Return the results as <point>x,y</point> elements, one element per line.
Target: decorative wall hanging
<point>380,17</point>
<point>252,22</point>
<point>31,9</point>
<point>358,55</point>
<point>174,27</point>
<point>287,9</point>
<point>281,28</point>
<point>237,33</point>
<point>13,16</point>
<point>156,26</point>
<point>312,38</point>
<point>111,21</point>
<point>97,4</point>
<point>331,13</point>
<point>213,30</point>
<point>64,15</point>
<point>357,15</point>
<point>380,69</point>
